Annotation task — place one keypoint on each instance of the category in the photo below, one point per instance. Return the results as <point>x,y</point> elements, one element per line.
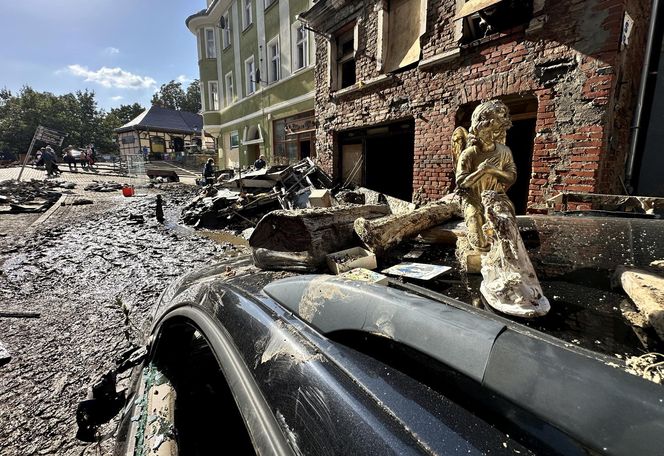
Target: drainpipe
<point>638,115</point>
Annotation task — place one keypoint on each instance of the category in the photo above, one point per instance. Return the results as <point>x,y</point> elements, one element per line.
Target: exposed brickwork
<point>584,85</point>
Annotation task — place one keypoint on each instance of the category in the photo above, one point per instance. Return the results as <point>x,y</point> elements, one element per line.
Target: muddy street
<point>81,270</point>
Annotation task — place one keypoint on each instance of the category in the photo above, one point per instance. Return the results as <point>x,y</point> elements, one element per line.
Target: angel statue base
<point>484,170</point>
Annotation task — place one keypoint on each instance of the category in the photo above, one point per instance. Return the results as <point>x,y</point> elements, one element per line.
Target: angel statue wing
<point>459,143</point>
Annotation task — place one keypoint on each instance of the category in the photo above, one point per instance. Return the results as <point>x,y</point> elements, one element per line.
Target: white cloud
<point>113,77</point>
<point>183,79</point>
<point>111,50</point>
<point>117,98</point>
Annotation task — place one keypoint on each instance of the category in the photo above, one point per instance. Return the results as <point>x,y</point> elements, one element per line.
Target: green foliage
<point>76,114</point>
<point>172,96</point>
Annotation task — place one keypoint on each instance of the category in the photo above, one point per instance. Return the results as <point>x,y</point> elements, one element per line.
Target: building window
<point>268,3</point>
<point>226,34</point>
<point>210,45</point>
<point>273,61</point>
<point>250,75</point>
<point>213,93</point>
<point>246,14</point>
<point>294,138</point>
<point>480,19</point>
<point>345,57</point>
<point>235,139</point>
<point>300,47</point>
<point>228,79</point>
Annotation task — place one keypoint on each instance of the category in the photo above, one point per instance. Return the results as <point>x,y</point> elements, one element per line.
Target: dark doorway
<point>520,138</point>
<point>178,144</point>
<point>253,151</point>
<point>380,158</point>
<point>305,149</point>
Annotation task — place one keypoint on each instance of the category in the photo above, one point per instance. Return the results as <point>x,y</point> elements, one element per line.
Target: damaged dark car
<point>267,362</point>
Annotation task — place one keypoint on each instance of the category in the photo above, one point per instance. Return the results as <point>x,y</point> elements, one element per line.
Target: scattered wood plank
<point>4,314</point>
<point>646,290</point>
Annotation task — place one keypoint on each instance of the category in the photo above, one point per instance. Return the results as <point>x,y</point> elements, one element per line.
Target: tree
<point>75,114</point>
<point>192,102</point>
<point>124,114</point>
<point>171,95</point>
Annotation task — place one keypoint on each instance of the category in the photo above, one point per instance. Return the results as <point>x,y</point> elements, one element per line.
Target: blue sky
<point>122,49</point>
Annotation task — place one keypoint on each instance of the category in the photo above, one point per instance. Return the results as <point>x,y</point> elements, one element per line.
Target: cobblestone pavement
<point>75,268</point>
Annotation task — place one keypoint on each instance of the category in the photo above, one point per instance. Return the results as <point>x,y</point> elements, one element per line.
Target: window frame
<point>246,11</point>
<point>304,41</point>
<point>213,95</point>
<point>236,134</point>
<point>209,51</point>
<point>226,35</point>
<point>272,78</point>
<point>346,34</point>
<point>268,3</point>
<point>229,88</point>
<point>249,76</point>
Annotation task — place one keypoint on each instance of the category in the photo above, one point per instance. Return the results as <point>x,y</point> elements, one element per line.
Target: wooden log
<point>381,234</point>
<point>646,290</point>
<point>298,240</point>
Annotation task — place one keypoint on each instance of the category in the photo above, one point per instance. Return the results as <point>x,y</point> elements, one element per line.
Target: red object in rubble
<point>127,191</point>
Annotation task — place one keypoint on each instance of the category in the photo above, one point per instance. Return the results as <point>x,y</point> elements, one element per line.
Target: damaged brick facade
<point>568,58</point>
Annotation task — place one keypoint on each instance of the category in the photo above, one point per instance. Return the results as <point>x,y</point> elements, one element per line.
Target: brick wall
<point>584,84</point>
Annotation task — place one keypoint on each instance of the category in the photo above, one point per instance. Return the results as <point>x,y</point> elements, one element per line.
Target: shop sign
<point>300,126</point>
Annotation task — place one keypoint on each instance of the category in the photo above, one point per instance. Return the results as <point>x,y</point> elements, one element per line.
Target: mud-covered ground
<point>76,270</point>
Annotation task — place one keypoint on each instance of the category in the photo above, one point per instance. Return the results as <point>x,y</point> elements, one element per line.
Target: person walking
<point>89,155</point>
<point>49,162</point>
<point>208,172</point>
<point>68,157</point>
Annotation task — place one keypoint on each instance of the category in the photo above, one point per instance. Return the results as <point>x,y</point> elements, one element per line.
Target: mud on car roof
<point>314,364</point>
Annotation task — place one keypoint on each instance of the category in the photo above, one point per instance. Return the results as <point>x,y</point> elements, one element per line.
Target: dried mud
<point>76,270</point>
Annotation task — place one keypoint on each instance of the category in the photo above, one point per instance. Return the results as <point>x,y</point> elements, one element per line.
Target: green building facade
<point>256,65</point>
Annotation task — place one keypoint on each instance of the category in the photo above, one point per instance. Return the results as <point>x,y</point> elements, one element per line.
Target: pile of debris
<point>30,196</point>
<point>240,201</point>
<point>97,186</point>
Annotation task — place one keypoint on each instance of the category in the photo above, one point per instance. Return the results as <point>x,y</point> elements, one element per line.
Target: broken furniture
<point>242,200</point>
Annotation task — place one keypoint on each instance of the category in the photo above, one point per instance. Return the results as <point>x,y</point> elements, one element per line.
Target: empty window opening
<point>345,58</point>
<point>380,158</point>
<point>487,17</point>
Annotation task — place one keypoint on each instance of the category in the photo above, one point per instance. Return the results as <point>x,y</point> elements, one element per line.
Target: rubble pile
<point>98,186</point>
<point>240,201</point>
<point>30,196</point>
